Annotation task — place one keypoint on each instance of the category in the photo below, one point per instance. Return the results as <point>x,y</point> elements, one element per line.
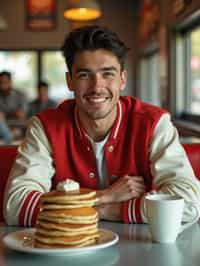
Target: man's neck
<point>99,128</point>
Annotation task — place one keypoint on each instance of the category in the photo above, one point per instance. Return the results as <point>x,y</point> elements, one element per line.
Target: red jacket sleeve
<point>30,209</point>
<point>131,211</point>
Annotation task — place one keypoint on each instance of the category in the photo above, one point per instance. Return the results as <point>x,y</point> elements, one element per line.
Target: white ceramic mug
<point>164,214</point>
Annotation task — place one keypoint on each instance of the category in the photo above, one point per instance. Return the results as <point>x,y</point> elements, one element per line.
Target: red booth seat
<point>8,155</point>
<point>193,153</point>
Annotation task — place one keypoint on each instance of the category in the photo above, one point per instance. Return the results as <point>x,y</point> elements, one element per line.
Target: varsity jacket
<point>56,147</point>
<point>126,151</point>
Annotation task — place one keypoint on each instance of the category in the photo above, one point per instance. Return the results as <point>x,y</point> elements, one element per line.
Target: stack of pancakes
<point>67,219</point>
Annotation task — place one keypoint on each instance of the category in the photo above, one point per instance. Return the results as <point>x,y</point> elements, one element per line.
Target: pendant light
<point>82,10</point>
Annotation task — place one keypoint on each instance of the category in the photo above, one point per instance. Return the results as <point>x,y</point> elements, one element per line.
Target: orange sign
<point>41,15</point>
<point>149,20</point>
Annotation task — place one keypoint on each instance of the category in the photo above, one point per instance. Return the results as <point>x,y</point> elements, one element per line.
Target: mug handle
<point>195,206</point>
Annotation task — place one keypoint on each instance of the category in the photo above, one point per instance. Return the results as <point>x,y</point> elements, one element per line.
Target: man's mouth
<point>97,99</point>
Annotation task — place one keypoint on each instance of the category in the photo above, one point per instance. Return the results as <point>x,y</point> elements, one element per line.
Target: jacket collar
<point>114,133</point>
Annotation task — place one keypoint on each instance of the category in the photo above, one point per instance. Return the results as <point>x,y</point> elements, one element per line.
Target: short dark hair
<point>43,84</point>
<point>92,38</point>
<point>6,73</point>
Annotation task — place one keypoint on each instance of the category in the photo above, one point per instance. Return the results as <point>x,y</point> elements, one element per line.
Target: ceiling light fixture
<point>82,10</point>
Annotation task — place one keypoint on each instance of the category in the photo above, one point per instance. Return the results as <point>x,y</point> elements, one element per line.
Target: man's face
<point>5,83</point>
<point>96,81</point>
<point>43,94</point>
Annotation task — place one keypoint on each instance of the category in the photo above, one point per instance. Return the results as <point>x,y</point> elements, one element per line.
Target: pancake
<point>83,215</point>
<point>75,213</point>
<point>70,204</point>
<point>65,227</point>
<point>65,197</point>
<point>38,244</point>
<point>67,219</point>
<point>65,240</point>
<point>55,232</point>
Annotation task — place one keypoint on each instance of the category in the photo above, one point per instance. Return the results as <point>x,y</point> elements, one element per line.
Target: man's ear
<point>69,81</point>
<point>124,79</point>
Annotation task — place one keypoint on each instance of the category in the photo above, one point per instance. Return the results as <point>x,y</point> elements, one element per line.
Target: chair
<point>8,155</point>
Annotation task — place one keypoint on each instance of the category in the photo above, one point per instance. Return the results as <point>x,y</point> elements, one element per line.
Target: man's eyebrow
<point>110,68</point>
<point>82,70</point>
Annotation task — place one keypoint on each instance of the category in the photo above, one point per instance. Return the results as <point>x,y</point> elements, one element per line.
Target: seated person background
<point>42,101</point>
<point>5,132</point>
<point>13,103</point>
<point>120,146</point>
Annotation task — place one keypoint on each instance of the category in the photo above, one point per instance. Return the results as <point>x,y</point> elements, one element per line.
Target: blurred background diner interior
<point>163,63</point>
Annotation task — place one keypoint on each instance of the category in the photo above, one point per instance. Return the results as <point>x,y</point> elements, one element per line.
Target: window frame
<point>145,60</point>
<point>180,107</point>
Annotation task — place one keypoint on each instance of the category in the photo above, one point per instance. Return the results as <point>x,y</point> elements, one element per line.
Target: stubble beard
<point>99,115</point>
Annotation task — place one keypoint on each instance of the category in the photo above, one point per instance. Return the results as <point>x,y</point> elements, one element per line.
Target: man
<point>42,101</point>
<point>13,103</point>
<point>120,146</point>
<point>5,132</point>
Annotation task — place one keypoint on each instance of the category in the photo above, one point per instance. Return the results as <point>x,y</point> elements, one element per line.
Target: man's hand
<point>127,187</point>
<point>110,212</point>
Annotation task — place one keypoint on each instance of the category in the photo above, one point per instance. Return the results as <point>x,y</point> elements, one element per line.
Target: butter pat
<point>67,185</point>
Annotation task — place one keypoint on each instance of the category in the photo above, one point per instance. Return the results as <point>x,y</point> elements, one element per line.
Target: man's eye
<point>108,74</point>
<point>83,75</point>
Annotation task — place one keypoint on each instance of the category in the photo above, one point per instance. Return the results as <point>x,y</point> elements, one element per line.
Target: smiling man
<point>119,146</point>
<point>97,79</point>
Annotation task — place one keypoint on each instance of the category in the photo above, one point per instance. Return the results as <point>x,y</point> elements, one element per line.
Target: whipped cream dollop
<point>67,185</point>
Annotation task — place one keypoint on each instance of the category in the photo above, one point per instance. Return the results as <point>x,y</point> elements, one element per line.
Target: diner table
<point>134,248</point>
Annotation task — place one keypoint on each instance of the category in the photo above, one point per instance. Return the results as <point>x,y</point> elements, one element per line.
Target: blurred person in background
<point>42,101</point>
<point>13,109</point>
<point>13,103</point>
<point>5,132</point>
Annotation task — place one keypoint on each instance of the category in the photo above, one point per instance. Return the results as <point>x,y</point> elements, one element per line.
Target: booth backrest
<point>193,153</point>
<point>8,155</point>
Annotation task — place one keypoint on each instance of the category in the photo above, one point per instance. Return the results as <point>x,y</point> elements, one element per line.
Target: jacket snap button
<point>91,174</point>
<point>110,148</point>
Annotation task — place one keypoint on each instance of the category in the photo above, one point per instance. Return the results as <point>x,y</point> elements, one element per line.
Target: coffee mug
<point>164,214</point>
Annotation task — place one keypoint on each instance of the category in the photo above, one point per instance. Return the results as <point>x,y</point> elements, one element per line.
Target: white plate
<point>23,241</point>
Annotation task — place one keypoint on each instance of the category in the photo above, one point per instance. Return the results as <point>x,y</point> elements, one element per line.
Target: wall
<point>118,15</point>
<point>189,8</point>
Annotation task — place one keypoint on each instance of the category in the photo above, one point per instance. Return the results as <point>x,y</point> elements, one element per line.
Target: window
<point>23,66</point>
<point>54,70</point>
<point>27,67</point>
<point>187,99</point>
<point>195,71</point>
<point>149,85</point>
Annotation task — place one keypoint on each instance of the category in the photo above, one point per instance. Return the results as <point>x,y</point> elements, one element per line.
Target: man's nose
<point>98,82</point>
